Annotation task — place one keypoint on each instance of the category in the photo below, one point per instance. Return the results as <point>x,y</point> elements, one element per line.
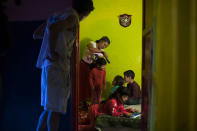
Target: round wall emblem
<point>125,20</point>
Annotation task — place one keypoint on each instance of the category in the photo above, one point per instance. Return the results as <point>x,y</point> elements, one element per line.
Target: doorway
<point>126,50</point>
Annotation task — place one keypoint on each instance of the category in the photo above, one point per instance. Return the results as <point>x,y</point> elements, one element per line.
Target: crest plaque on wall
<point>125,20</point>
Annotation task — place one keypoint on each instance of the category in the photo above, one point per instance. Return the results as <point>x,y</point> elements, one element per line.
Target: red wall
<point>30,10</point>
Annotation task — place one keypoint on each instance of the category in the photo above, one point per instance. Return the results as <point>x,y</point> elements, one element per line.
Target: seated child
<point>113,106</point>
<point>117,82</point>
<point>97,80</point>
<point>133,87</point>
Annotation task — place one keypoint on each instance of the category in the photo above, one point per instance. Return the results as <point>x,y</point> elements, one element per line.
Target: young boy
<point>133,87</point>
<point>97,80</point>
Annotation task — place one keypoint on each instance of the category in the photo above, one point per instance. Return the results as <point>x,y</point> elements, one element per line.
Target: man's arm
<point>54,30</point>
<point>67,23</point>
<point>39,32</point>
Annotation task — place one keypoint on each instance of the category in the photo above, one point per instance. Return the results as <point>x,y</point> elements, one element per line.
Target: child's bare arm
<point>39,32</point>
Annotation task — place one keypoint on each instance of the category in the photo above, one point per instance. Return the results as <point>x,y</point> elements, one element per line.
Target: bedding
<point>105,121</point>
<point>136,107</point>
<point>108,121</point>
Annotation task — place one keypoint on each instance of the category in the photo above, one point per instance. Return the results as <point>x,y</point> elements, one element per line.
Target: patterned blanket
<point>104,121</point>
<point>110,121</point>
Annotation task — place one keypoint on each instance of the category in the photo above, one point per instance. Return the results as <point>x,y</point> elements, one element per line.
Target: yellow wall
<point>125,50</point>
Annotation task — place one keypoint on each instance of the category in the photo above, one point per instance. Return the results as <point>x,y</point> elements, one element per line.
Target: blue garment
<point>114,89</point>
<point>56,75</point>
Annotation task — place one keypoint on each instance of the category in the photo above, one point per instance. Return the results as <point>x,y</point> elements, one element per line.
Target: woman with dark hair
<point>113,106</point>
<point>92,49</point>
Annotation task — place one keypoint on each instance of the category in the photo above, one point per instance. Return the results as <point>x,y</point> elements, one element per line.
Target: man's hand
<point>39,32</point>
<point>53,56</point>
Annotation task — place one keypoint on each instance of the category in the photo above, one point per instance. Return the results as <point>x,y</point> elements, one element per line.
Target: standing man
<point>59,34</point>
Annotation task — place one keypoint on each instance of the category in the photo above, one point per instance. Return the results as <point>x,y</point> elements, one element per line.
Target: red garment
<point>115,108</point>
<point>84,86</point>
<point>97,81</point>
<point>111,107</point>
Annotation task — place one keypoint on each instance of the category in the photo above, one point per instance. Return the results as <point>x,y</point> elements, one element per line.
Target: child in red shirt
<point>97,80</point>
<point>113,106</point>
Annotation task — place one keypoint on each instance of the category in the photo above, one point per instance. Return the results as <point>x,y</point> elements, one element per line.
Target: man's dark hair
<point>119,80</point>
<point>129,73</point>
<point>83,6</point>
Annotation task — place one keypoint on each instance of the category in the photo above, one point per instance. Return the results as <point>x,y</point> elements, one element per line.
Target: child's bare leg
<point>42,121</point>
<point>53,121</point>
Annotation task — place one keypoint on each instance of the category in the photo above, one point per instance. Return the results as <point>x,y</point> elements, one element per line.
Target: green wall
<point>125,50</point>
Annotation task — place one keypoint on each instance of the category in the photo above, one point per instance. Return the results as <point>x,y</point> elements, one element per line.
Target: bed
<point>110,123</point>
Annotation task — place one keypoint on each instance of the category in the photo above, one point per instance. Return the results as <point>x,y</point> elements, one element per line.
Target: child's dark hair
<point>122,91</point>
<point>100,62</point>
<point>83,6</point>
<point>129,73</point>
<point>103,39</point>
<point>119,80</point>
